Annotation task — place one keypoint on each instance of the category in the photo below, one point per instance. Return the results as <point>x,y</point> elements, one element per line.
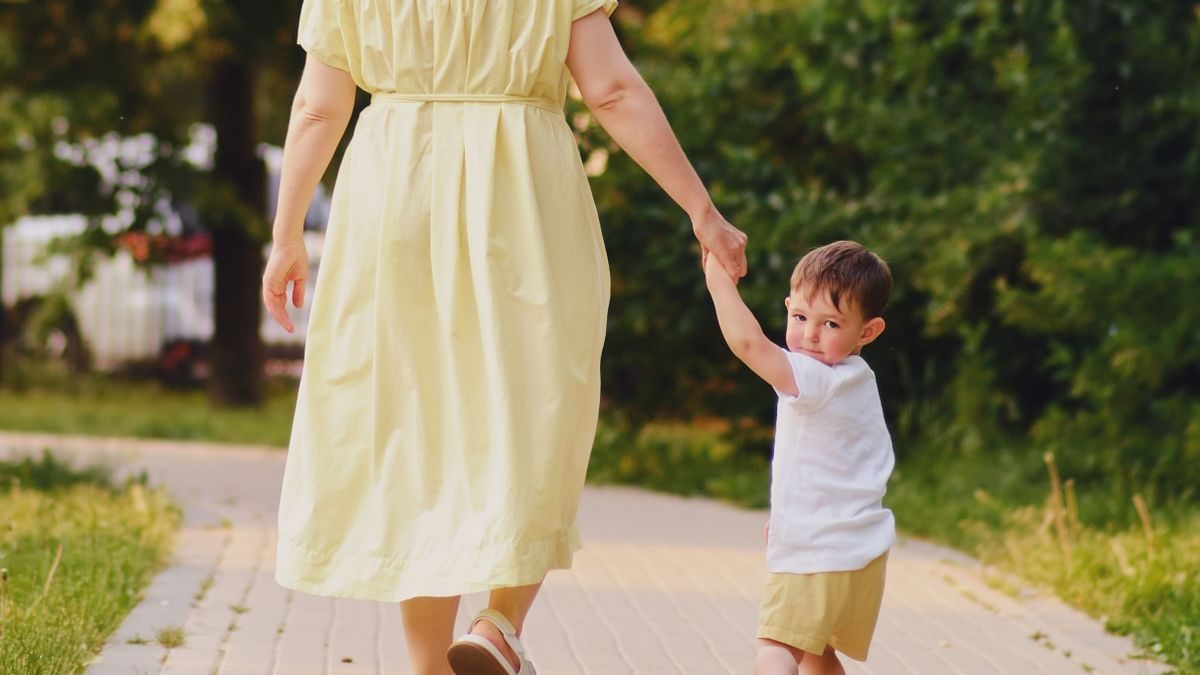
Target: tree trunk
<point>237,350</point>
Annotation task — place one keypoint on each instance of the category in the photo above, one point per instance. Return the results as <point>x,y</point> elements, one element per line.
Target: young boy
<point>828,534</point>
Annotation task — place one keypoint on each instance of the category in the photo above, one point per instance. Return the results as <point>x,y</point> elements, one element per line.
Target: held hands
<point>288,263</point>
<point>715,273</point>
<point>718,238</point>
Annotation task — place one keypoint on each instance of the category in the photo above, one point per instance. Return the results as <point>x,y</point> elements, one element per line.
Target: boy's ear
<point>787,302</point>
<point>871,330</point>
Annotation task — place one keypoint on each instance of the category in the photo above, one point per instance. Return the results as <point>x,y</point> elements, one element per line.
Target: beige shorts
<point>835,609</point>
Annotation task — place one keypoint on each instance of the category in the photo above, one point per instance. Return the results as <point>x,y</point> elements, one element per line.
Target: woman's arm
<point>628,111</point>
<point>320,112</point>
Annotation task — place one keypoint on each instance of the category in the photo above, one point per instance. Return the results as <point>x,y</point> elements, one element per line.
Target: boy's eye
<point>831,324</point>
<point>799,317</point>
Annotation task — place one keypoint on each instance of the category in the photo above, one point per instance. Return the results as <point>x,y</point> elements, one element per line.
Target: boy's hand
<point>721,240</point>
<point>714,270</point>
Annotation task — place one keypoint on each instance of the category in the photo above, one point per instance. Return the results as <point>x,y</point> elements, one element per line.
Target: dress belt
<point>544,104</point>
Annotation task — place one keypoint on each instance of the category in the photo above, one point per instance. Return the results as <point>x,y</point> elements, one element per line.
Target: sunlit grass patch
<point>99,407</point>
<point>76,553</point>
<point>1142,581</point>
<point>1138,572</point>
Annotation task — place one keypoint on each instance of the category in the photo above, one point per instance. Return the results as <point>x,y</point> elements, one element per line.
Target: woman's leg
<point>514,603</point>
<point>428,632</point>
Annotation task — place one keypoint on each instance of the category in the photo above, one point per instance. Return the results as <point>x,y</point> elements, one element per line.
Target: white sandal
<point>476,655</point>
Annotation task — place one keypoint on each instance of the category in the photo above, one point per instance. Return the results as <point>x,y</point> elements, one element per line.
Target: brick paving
<point>663,585</point>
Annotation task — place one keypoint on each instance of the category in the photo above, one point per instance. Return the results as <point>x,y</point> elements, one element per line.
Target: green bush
<point>1027,168</point>
<point>684,460</point>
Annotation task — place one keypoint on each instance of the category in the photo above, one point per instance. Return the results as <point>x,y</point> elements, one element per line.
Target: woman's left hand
<point>717,237</point>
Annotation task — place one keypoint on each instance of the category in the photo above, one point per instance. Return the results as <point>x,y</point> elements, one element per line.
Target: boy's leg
<point>775,658</point>
<point>824,664</point>
<point>428,632</point>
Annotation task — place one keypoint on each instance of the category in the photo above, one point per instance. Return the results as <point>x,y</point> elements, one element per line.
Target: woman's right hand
<point>288,263</point>
<point>717,237</point>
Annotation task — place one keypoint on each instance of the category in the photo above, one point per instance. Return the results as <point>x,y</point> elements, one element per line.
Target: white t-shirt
<point>833,456</point>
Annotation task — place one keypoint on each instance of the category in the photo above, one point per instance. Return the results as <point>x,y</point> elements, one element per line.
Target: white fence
<point>128,312</point>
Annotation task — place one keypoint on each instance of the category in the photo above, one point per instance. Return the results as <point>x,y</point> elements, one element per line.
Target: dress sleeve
<point>585,7</point>
<point>320,32</point>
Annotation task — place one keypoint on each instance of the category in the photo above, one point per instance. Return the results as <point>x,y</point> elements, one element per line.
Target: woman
<point>451,378</point>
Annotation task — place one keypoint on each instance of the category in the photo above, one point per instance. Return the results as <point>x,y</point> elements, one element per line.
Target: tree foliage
<point>76,72</point>
<point>1028,168</point>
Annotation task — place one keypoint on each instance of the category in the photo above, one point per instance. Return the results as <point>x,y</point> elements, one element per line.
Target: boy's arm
<point>743,333</point>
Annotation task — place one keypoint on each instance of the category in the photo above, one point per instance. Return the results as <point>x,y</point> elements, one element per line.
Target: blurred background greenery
<point>1030,171</point>
<point>1029,168</point>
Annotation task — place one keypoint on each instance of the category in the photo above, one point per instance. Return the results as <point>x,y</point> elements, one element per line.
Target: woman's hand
<point>626,108</point>
<point>717,237</point>
<point>288,263</point>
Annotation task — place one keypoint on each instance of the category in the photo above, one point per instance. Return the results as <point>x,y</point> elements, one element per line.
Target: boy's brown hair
<point>846,269</point>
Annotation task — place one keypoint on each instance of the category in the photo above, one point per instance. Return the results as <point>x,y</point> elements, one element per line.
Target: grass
<point>1132,566</point>
<point>105,407</point>
<point>170,637</point>
<point>992,505</point>
<point>204,588</point>
<point>77,552</point>
<point>1146,587</point>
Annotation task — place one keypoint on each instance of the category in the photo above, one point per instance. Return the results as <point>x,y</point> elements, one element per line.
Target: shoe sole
<point>470,659</point>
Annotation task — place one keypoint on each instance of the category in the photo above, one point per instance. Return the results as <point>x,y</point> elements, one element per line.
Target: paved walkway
<point>662,585</point>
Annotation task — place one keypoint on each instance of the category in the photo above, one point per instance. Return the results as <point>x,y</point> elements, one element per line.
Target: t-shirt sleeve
<point>320,32</point>
<point>585,7</point>
<point>815,382</point>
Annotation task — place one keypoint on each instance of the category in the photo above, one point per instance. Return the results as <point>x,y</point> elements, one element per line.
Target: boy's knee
<point>827,663</point>
<point>774,657</point>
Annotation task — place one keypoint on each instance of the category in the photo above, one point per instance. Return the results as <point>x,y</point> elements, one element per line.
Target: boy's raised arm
<point>744,335</point>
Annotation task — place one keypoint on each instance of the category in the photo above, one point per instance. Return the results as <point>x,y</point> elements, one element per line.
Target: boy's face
<point>816,327</point>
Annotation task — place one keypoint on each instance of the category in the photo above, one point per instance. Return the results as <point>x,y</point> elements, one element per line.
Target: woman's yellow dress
<point>451,374</point>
